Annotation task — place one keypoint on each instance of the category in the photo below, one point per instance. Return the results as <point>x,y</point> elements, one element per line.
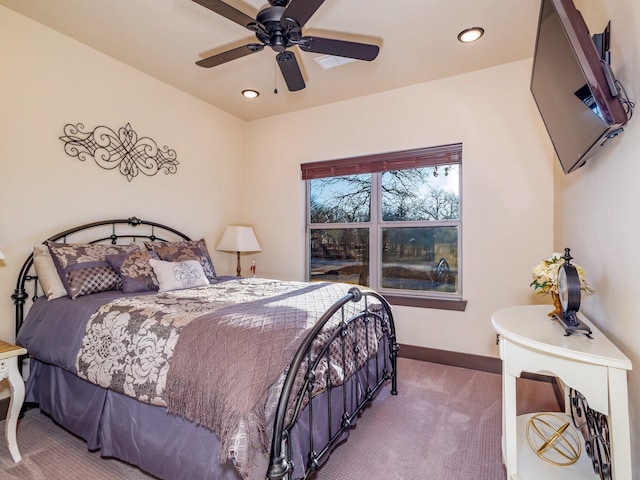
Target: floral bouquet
<point>545,276</point>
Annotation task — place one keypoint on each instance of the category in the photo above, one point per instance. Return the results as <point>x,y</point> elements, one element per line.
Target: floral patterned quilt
<point>217,355</point>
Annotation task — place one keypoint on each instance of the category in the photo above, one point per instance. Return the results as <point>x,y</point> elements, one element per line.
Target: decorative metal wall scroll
<point>122,150</point>
<point>595,428</point>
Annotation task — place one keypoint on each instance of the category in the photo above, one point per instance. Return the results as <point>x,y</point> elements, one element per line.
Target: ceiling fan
<point>280,26</point>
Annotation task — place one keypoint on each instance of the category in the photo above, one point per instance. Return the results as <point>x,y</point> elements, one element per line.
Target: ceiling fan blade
<point>227,11</point>
<point>290,71</point>
<point>229,55</point>
<point>301,10</point>
<point>339,48</point>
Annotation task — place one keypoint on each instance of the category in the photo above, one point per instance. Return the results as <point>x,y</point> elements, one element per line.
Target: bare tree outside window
<point>341,199</point>
<point>428,193</point>
<point>415,230</point>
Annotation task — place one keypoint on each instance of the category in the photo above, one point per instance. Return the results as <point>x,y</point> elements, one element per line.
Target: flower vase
<point>556,305</point>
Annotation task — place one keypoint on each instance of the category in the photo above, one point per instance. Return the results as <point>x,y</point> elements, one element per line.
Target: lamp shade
<point>238,238</point>
<point>1,255</point>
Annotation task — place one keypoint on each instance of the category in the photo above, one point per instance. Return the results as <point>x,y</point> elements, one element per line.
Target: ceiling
<point>417,39</point>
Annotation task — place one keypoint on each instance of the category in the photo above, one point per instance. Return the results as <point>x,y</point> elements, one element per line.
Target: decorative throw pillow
<point>188,250</point>
<point>178,275</point>
<point>135,271</point>
<point>83,267</point>
<point>47,274</point>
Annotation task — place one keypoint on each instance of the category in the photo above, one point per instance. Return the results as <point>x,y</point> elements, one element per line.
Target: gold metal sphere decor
<point>553,439</point>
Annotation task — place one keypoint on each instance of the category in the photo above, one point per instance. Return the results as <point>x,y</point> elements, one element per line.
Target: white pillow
<point>178,275</point>
<point>47,274</point>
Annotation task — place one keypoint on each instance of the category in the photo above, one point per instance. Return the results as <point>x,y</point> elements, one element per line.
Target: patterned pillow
<point>135,271</point>
<point>179,275</point>
<point>83,267</point>
<point>181,251</point>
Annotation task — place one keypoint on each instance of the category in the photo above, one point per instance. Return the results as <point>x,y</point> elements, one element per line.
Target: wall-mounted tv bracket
<point>601,42</point>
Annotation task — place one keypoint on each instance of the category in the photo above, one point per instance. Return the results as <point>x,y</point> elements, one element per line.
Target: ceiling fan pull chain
<point>275,76</point>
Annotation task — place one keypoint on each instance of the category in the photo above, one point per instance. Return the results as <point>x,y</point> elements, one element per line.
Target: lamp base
<point>238,267</point>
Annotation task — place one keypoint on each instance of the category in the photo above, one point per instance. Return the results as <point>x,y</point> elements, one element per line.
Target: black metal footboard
<point>375,323</point>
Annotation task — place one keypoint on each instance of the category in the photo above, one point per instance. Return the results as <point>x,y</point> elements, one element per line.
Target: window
<point>391,222</point>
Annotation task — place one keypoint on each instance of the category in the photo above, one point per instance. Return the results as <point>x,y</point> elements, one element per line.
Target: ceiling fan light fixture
<point>470,34</point>
<point>250,93</point>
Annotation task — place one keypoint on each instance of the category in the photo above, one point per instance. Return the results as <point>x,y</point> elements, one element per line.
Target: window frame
<point>376,164</point>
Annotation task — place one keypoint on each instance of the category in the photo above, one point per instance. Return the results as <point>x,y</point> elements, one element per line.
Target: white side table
<point>9,354</point>
<point>530,341</point>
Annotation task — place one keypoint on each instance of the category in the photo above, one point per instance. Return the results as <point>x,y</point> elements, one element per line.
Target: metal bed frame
<point>376,313</point>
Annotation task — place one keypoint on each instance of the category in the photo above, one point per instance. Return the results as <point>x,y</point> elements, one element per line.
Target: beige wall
<point>507,196</point>
<point>49,80</point>
<point>595,209</point>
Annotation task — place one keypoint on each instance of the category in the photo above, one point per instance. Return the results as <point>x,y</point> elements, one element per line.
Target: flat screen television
<point>573,86</point>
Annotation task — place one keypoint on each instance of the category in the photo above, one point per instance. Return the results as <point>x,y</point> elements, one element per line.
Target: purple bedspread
<point>61,322</point>
<point>53,330</point>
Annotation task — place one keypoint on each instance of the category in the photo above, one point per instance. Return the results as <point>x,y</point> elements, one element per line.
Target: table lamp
<point>239,239</point>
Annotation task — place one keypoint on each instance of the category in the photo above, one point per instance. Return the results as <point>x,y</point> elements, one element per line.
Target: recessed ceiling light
<point>250,93</point>
<point>470,34</point>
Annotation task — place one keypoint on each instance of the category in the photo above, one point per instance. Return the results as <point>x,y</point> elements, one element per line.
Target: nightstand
<point>531,342</point>
<point>9,354</point>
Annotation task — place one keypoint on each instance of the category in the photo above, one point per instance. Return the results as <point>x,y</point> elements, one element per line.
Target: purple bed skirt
<point>165,445</point>
<point>162,444</point>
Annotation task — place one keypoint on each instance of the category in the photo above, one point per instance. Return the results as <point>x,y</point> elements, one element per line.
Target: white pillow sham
<point>47,273</point>
<point>178,275</point>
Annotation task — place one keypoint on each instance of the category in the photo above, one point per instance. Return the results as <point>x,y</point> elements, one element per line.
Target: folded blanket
<point>224,363</point>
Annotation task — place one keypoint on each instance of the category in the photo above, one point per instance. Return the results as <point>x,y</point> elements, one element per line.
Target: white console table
<point>530,341</point>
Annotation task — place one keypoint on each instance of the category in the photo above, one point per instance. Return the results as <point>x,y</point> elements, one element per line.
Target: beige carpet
<point>444,424</point>
<point>51,453</point>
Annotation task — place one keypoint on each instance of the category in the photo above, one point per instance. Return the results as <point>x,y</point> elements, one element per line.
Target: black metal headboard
<point>131,229</point>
